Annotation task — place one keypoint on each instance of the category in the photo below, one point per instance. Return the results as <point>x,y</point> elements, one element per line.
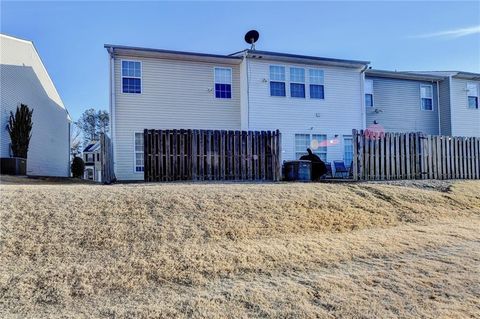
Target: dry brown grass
<point>364,250</point>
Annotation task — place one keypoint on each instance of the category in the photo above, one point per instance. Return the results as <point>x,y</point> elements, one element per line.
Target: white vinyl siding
<point>166,104</point>
<point>426,92</point>
<point>337,114</point>
<point>24,79</point>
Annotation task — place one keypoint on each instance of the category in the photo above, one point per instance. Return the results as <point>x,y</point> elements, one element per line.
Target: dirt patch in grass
<point>240,250</point>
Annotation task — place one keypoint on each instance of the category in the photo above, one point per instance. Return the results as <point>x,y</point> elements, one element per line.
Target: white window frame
<point>135,154</point>
<point>231,83</point>
<point>134,77</point>
<point>284,81</point>
<point>310,137</point>
<point>431,98</point>
<point>311,83</point>
<point>294,82</point>
<point>477,96</point>
<point>371,93</point>
<point>347,137</point>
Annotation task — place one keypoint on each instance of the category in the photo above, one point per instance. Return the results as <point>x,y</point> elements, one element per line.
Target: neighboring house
<point>459,103</point>
<point>24,80</point>
<point>314,102</point>
<point>93,166</point>
<point>435,102</point>
<point>402,101</point>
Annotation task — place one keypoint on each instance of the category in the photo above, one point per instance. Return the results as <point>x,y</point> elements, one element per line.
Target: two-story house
<point>91,157</point>
<point>315,102</point>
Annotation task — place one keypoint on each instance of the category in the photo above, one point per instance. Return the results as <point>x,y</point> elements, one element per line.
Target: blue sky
<point>392,35</point>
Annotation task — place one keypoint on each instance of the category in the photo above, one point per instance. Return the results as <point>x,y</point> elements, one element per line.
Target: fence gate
<point>379,156</point>
<point>106,158</point>
<point>171,155</point>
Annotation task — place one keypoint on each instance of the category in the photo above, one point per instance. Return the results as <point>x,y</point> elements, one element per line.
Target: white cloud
<point>457,33</point>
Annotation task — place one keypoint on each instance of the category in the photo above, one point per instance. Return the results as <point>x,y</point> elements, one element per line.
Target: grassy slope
<point>240,250</point>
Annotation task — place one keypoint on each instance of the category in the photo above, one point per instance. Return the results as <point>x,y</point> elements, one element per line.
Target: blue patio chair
<point>329,170</point>
<point>340,169</point>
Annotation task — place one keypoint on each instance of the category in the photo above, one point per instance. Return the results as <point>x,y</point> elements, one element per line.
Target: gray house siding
<point>465,121</point>
<point>175,94</point>
<point>397,106</point>
<point>445,117</point>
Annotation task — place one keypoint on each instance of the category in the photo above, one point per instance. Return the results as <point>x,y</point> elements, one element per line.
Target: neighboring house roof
<point>404,75</point>
<point>170,54</point>
<point>234,58</point>
<point>455,74</point>
<point>92,147</point>
<point>296,58</point>
<point>17,58</point>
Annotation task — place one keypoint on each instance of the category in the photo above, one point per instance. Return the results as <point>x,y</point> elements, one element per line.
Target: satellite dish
<point>251,37</point>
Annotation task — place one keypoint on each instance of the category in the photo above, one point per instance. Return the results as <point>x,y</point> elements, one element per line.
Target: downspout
<point>438,109</point>
<point>248,90</point>
<point>112,107</point>
<point>362,96</point>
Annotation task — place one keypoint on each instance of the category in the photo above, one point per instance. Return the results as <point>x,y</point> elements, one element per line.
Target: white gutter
<point>362,97</point>
<point>248,91</point>
<point>450,107</point>
<point>112,107</point>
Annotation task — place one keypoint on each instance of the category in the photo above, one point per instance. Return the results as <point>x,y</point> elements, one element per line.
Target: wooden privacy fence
<point>171,155</point>
<point>380,156</point>
<point>106,158</point>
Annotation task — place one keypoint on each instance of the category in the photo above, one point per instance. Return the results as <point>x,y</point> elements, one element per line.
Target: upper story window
<point>426,93</point>
<point>223,83</point>
<point>297,82</point>
<point>472,93</point>
<point>369,93</point>
<point>277,80</point>
<point>316,84</point>
<point>131,77</point>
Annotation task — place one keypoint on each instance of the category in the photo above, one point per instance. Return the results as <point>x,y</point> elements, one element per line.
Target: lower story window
<point>316,142</point>
<point>347,150</point>
<point>139,166</point>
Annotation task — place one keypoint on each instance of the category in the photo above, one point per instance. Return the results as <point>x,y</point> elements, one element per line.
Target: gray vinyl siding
<point>445,118</point>
<point>23,79</point>
<point>465,121</point>
<point>335,116</point>
<point>176,94</point>
<point>398,105</point>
